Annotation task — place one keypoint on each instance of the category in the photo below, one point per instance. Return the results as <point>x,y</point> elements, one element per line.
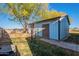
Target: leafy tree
<point>23,11</point>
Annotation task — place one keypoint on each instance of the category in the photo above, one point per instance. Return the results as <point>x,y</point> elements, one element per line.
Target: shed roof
<point>53,16</point>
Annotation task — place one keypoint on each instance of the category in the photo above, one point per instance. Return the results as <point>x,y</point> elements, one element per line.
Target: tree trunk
<point>25,25</point>
<point>26,28</point>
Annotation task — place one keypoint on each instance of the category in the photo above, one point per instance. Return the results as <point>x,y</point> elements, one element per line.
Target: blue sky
<point>71,9</point>
<point>6,23</point>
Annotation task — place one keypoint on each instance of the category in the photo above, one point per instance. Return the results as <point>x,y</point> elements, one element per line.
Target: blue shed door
<point>45,30</point>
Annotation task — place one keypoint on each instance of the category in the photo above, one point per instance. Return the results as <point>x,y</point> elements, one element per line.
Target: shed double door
<point>45,30</point>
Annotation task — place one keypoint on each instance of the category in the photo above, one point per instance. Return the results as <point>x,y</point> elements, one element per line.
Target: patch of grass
<point>40,48</point>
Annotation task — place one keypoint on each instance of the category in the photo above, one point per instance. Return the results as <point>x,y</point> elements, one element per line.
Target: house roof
<point>53,16</point>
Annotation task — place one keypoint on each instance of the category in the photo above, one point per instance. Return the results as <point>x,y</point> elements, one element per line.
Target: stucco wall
<point>38,29</point>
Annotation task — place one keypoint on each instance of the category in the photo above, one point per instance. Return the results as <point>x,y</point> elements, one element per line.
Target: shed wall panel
<point>54,30</point>
<point>64,28</point>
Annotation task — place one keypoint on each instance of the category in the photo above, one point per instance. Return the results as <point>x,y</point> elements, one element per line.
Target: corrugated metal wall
<point>54,30</point>
<point>64,28</point>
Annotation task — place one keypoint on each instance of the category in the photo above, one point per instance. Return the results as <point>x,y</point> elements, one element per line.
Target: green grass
<point>40,48</point>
